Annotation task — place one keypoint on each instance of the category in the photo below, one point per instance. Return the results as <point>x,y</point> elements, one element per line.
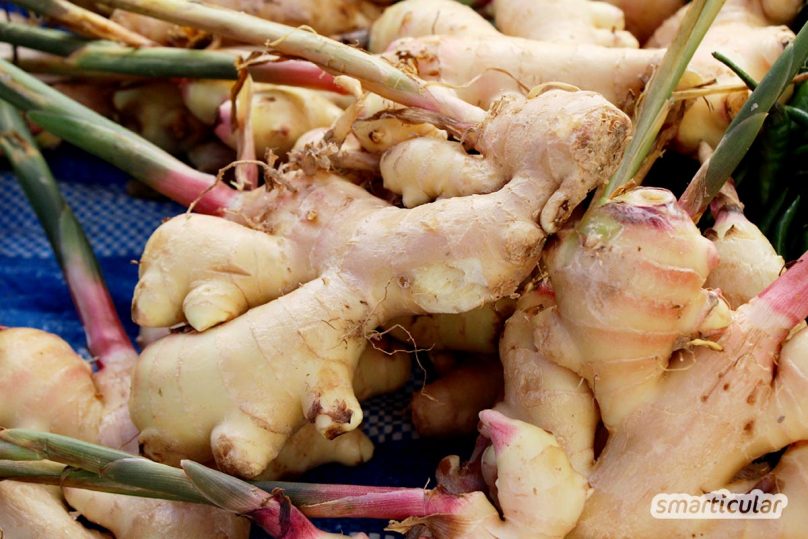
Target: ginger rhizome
<point>50,367</point>
<point>640,350</point>
<point>336,238</point>
<point>480,68</point>
<point>563,21</point>
<point>576,21</point>
<point>538,493</point>
<point>747,261</point>
<point>721,408</point>
<point>47,386</point>
<point>449,405</point>
<point>33,511</point>
<point>557,339</point>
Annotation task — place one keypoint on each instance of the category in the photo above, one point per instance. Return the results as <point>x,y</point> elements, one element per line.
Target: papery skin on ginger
<point>373,262</point>
<point>500,159</point>
<point>482,69</point>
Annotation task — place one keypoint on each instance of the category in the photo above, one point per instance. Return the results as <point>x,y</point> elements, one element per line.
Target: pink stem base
<point>788,295</point>
<point>197,190</point>
<point>106,337</point>
<point>295,73</point>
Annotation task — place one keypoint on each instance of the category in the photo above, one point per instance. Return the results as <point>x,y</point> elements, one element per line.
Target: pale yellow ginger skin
<point>563,21</point>
<point>35,363</point>
<point>34,367</point>
<point>449,406</point>
<point>155,110</point>
<point>375,262</point>
<point>332,17</point>
<point>500,158</point>
<point>47,386</point>
<point>539,493</point>
<point>482,69</point>
<point>643,17</point>
<point>143,518</point>
<point>532,472</point>
<point>560,358</point>
<point>383,368</point>
<point>447,171</point>
<point>558,21</point>
<point>715,413</point>
<point>281,114</point>
<point>412,18</point>
<point>447,42</point>
<point>225,281</point>
<point>743,35</point>
<point>706,413</point>
<point>476,330</point>
<point>29,511</point>
<point>377,134</point>
<point>368,127</point>
<point>651,311</point>
<point>542,393</point>
<point>747,261</point>
<point>753,13</point>
<point>307,449</point>
<point>378,371</point>
<point>204,97</point>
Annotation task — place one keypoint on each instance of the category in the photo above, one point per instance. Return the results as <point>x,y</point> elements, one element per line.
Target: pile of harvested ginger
<point>574,232</point>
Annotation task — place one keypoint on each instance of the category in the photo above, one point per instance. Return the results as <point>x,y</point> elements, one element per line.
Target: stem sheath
<point>375,74</point>
<point>111,57</point>
<point>106,337</point>
<point>84,21</point>
<point>60,115</point>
